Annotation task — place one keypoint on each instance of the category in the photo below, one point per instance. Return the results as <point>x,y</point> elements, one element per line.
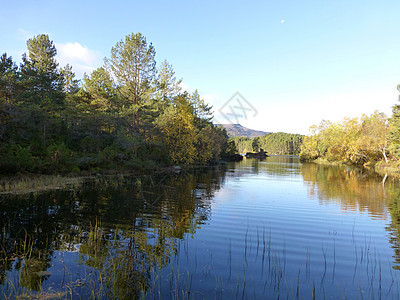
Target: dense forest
<point>273,143</point>
<point>128,113</point>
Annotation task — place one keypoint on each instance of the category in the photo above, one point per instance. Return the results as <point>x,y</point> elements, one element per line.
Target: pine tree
<point>41,80</point>
<point>8,78</point>
<point>132,64</point>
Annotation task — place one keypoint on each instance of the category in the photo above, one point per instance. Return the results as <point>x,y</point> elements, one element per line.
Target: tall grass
<point>261,271</point>
<point>24,185</point>
<point>43,183</point>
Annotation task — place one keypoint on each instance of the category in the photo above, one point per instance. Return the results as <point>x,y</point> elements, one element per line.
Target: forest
<point>279,143</point>
<point>360,141</point>
<point>130,113</point>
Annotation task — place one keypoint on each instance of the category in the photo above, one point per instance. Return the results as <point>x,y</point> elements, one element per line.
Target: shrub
<point>59,157</point>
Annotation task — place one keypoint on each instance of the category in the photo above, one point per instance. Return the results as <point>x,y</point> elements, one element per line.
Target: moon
<point>282,21</point>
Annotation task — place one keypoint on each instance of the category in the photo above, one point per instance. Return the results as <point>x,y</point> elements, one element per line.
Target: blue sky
<point>295,62</point>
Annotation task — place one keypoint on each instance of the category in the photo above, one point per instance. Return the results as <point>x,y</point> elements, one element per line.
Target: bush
<point>89,145</point>
<point>111,155</point>
<point>59,157</point>
<point>8,167</point>
<point>17,158</point>
<point>153,151</point>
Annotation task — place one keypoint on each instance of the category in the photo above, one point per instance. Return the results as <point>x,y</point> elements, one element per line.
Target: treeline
<point>127,113</point>
<point>356,141</point>
<point>274,143</point>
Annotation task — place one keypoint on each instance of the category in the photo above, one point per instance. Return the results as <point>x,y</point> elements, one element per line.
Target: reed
<point>125,272</point>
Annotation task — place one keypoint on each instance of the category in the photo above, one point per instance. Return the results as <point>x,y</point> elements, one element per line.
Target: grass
<point>42,183</point>
<point>25,185</point>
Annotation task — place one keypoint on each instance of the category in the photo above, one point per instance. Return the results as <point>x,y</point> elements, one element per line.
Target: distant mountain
<point>239,130</point>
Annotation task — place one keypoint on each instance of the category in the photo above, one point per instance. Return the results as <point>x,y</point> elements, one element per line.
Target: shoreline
<point>26,183</point>
<point>391,168</point>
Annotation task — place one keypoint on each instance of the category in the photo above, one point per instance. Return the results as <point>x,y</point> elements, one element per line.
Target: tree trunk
<point>384,154</point>
<point>384,179</point>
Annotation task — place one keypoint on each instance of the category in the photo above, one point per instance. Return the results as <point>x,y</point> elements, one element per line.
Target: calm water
<point>250,230</point>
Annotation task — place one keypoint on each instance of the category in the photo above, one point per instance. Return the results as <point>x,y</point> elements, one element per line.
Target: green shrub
<point>75,169</point>
<point>59,157</point>
<point>154,152</point>
<point>17,158</point>
<point>111,155</point>
<point>89,145</point>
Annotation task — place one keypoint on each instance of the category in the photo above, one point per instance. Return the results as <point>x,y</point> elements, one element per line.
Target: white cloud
<point>81,58</point>
<point>186,88</point>
<point>24,35</point>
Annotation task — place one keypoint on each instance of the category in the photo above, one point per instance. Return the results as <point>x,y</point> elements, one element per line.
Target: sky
<point>276,66</point>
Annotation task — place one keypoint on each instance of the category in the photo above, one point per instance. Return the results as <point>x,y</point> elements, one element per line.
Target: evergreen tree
<point>41,79</point>
<point>41,82</point>
<point>394,133</point>
<point>167,84</point>
<point>132,64</point>
<point>100,90</point>
<point>8,78</point>
<point>70,84</point>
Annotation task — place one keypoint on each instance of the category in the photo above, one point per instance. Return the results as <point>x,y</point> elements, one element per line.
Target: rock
<point>259,155</point>
<point>235,157</point>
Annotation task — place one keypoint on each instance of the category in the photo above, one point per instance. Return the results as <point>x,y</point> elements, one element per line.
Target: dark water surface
<point>250,230</point>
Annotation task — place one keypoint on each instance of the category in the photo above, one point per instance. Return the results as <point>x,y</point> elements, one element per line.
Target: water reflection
<point>296,230</point>
<point>278,165</point>
<point>121,227</point>
<point>394,226</point>
<point>353,189</point>
<point>358,190</point>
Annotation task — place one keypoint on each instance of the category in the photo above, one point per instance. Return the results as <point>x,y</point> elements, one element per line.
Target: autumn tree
<point>179,133</point>
<point>354,140</point>
<point>374,131</point>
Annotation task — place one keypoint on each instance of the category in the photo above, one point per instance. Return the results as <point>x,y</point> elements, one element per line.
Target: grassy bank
<point>391,168</point>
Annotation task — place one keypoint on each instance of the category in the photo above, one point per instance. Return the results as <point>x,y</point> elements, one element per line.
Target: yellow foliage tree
<point>354,140</point>
<point>178,132</point>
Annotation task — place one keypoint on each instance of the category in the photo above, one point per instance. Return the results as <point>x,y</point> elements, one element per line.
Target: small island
<point>259,155</point>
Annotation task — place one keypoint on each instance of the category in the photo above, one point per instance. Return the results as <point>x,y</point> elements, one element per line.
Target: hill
<point>238,130</point>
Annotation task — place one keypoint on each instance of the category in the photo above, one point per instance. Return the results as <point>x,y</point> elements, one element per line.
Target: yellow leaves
<point>179,135</point>
<point>355,140</point>
<point>309,148</point>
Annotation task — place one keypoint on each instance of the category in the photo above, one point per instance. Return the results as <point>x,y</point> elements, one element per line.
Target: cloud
<point>186,88</point>
<point>81,58</point>
<point>24,35</point>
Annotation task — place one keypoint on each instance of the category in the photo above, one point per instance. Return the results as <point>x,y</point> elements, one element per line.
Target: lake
<point>249,230</point>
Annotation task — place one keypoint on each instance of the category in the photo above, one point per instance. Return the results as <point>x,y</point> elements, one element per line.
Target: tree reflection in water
<point>358,190</point>
<point>127,237</point>
<point>124,228</point>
